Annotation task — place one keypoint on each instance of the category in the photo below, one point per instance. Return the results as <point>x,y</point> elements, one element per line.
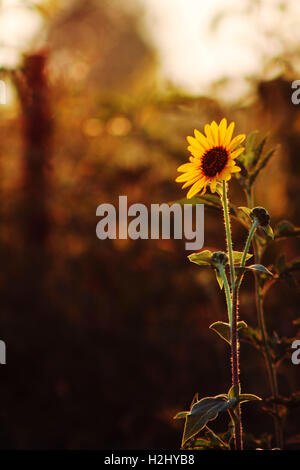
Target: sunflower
<point>212,159</point>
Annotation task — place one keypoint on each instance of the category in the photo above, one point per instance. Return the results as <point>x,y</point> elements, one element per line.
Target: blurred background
<point>108,340</point>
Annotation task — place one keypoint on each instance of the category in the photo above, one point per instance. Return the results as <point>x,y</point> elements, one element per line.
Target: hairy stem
<point>234,320</point>
<point>228,235</point>
<point>271,368</point>
<point>234,334</point>
<point>247,245</point>
<point>236,369</point>
<point>227,292</point>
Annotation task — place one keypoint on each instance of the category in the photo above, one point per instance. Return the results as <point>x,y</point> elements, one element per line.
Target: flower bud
<point>260,215</point>
<point>219,258</point>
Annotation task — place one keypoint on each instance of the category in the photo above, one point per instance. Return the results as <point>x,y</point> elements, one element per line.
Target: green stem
<point>234,319</point>
<point>271,368</point>
<point>227,292</point>
<point>247,245</point>
<point>245,252</point>
<point>228,234</point>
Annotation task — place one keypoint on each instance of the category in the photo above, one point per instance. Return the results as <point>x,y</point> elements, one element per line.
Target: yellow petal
<point>186,167</point>
<point>186,176</point>
<point>229,133</point>
<point>224,173</point>
<point>236,141</point>
<point>198,178</point>
<point>215,132</point>
<point>201,139</point>
<point>213,185</point>
<point>209,135</point>
<point>190,182</point>
<point>230,164</point>
<point>235,169</point>
<point>222,131</point>
<point>203,190</point>
<point>237,152</point>
<point>195,151</point>
<point>195,189</point>
<point>194,143</point>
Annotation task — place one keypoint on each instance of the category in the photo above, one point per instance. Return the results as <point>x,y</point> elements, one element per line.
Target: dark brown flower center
<point>214,161</point>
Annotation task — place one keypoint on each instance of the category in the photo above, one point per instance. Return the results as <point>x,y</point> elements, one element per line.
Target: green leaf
<point>237,256</point>
<point>252,336</point>
<point>248,397</point>
<point>202,258</point>
<point>234,391</point>
<point>223,329</point>
<point>215,439</point>
<point>261,164</point>
<point>199,444</point>
<point>194,400</point>
<point>253,154</point>
<point>210,442</point>
<point>268,231</point>
<point>181,414</point>
<point>250,142</point>
<point>246,210</point>
<point>207,409</point>
<point>255,267</point>
<point>212,201</point>
<point>286,229</point>
<point>257,152</point>
<point>219,279</point>
<point>244,216</point>
<point>260,268</point>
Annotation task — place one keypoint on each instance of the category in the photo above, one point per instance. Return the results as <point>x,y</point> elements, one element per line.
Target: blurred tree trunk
<point>34,97</point>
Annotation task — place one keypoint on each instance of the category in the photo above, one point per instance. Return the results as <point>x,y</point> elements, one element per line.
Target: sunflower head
<point>212,158</point>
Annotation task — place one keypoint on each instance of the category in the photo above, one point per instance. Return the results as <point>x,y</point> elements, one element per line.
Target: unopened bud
<point>219,258</point>
<point>260,215</point>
